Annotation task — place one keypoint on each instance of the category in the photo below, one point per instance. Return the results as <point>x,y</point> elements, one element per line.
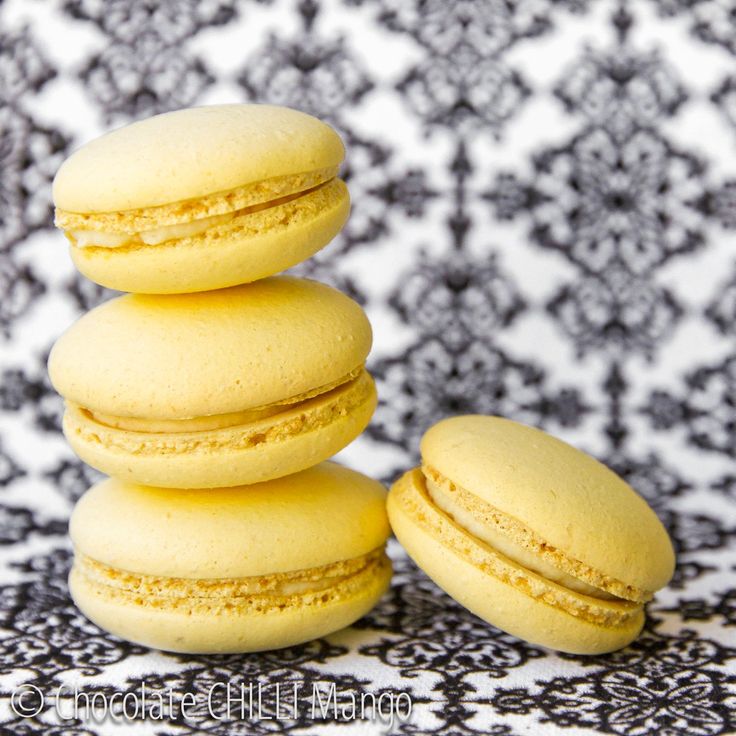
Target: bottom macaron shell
<point>286,443</point>
<point>227,628</point>
<point>495,601</point>
<point>276,241</point>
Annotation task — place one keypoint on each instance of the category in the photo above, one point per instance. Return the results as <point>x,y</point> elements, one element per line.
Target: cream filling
<point>507,547</point>
<point>93,238</point>
<point>195,424</point>
<point>216,421</point>
<point>156,236</point>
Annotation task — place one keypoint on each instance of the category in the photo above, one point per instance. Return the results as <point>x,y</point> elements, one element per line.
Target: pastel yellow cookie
<point>532,535</point>
<point>217,388</point>
<point>231,569</point>
<point>202,198</point>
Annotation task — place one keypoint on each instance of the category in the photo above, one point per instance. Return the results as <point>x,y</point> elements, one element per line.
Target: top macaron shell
<point>568,498</point>
<point>191,153</point>
<point>319,516</point>
<point>192,355</point>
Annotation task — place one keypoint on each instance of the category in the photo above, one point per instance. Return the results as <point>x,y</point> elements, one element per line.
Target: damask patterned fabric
<point>543,227</point>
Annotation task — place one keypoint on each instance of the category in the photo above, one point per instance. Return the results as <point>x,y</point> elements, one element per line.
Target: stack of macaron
<point>214,393</point>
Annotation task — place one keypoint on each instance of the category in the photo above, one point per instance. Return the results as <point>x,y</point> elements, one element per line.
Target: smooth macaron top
<point>181,356</point>
<point>317,517</point>
<point>567,498</point>
<point>192,153</point>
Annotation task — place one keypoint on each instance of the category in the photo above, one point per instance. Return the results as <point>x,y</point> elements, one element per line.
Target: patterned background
<point>544,227</point>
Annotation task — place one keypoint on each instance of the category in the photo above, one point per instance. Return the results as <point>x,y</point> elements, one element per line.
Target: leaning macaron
<point>202,198</point>
<point>231,569</point>
<point>530,534</point>
<point>218,388</point>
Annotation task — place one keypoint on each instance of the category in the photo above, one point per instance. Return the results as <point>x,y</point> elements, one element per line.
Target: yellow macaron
<point>202,198</point>
<point>217,388</point>
<point>530,534</point>
<point>231,569</point>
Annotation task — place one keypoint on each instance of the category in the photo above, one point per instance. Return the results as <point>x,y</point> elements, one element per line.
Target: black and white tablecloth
<point>544,227</point>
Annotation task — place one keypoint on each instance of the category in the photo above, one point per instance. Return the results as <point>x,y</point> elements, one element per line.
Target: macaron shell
<point>190,355</point>
<point>274,240</point>
<point>225,629</point>
<point>224,457</point>
<point>563,495</point>
<point>322,515</point>
<point>191,153</point>
<point>495,601</point>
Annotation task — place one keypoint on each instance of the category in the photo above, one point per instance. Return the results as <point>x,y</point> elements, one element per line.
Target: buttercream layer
<point>514,539</point>
<point>412,495</point>
<point>189,210</point>
<point>252,218</point>
<point>215,421</point>
<point>306,416</point>
<point>302,587</point>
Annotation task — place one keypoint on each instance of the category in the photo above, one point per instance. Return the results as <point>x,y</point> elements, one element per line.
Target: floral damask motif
<point>602,202</point>
<point>30,151</point>
<point>704,409</point>
<point>621,90</point>
<point>318,76</point>
<point>458,297</point>
<point>423,631</point>
<point>153,79</point>
<point>712,21</point>
<point>661,684</point>
<point>465,82</point>
<point>145,67</point>
<point>464,89</point>
<point>431,381</point>
<point>24,67</point>
<point>616,311</point>
<point>382,189</point>
<point>46,631</point>
<point>468,646</point>
<point>493,26</point>
<point>618,201</point>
